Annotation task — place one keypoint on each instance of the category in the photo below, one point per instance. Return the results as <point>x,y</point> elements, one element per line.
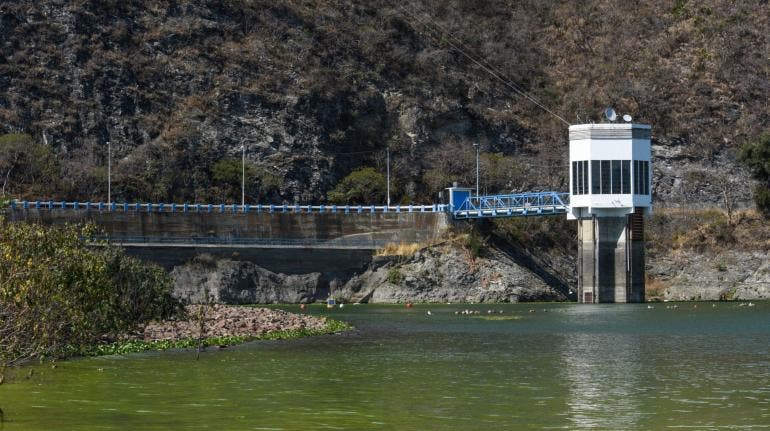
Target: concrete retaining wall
<point>314,229</point>
<point>394,227</point>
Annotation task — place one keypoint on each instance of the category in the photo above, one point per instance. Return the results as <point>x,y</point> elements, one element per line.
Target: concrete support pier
<point>611,258</point>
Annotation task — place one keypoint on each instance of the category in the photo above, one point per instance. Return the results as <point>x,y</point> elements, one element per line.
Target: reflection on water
<point>603,374</point>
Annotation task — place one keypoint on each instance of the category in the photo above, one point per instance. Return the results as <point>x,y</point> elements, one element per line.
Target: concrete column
<point>610,259</point>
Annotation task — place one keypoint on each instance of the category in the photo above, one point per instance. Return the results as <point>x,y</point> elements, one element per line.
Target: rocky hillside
<point>314,89</point>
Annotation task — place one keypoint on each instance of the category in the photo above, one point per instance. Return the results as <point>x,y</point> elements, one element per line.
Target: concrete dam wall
<point>289,243</point>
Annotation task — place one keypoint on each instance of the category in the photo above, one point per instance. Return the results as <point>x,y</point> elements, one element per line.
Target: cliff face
<point>313,90</point>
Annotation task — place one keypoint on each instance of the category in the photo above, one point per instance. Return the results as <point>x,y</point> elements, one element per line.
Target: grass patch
<point>136,346</point>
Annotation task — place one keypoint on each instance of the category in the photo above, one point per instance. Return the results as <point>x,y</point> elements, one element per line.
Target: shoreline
<point>221,326</point>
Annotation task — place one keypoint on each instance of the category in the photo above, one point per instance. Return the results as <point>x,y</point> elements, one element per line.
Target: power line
<point>484,66</point>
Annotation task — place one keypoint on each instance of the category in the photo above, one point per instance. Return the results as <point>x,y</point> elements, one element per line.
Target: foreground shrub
<point>58,294</point>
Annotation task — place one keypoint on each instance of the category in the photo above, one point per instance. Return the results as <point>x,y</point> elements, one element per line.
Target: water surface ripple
<point>558,366</point>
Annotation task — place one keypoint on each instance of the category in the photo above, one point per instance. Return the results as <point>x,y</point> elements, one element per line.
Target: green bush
<point>395,276</point>
<point>362,186</point>
<point>59,295</point>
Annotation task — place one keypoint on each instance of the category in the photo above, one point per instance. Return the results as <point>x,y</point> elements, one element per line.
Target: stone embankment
<point>218,320</point>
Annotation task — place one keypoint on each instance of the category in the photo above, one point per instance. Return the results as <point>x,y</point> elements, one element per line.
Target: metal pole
<point>109,173</point>
<point>243,178</point>
<point>388,170</point>
<point>477,169</point>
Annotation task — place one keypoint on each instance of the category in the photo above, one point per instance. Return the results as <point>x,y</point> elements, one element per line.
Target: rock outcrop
<point>449,274</point>
<point>240,282</point>
<point>437,274</point>
<point>729,275</point>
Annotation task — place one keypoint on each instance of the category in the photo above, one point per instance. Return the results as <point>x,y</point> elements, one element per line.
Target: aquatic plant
<point>136,346</point>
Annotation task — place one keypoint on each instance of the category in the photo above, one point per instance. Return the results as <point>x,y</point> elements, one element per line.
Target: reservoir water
<point>561,366</point>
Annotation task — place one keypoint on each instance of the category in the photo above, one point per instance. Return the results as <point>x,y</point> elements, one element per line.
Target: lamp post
<point>243,178</point>
<point>109,174</point>
<point>387,151</point>
<point>477,168</point>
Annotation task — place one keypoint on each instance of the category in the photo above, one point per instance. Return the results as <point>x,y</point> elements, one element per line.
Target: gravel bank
<point>228,320</point>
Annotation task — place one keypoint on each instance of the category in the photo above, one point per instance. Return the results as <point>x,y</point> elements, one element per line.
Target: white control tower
<point>610,180</point>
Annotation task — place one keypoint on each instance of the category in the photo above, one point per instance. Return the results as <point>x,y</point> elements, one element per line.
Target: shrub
<point>59,295</point>
<point>395,276</point>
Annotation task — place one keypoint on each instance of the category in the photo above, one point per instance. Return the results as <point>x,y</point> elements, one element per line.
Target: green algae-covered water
<point>563,366</point>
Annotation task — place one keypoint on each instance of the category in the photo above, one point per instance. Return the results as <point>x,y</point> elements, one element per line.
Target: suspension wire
<point>480,63</point>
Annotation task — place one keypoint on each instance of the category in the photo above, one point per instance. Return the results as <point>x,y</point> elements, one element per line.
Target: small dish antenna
<point>610,114</point>
<point>627,118</point>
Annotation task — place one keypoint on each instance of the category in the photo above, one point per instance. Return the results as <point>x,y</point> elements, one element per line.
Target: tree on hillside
<point>757,157</point>
<point>362,186</point>
<point>228,174</point>
<point>23,162</point>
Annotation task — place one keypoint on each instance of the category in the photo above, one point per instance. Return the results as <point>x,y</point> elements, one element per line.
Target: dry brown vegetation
<point>654,289</point>
<point>400,249</point>
<point>707,230</point>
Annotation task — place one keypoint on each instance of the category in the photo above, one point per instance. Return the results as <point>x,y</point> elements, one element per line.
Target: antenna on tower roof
<point>611,114</point>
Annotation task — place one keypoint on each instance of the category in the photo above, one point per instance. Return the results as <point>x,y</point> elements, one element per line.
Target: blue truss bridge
<point>512,205</point>
<point>461,206</point>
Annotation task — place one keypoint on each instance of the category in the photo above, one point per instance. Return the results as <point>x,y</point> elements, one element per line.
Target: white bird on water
<point>429,313</point>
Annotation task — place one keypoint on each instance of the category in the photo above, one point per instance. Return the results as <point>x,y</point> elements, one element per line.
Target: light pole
<point>243,178</point>
<point>477,168</point>
<point>109,174</point>
<point>387,151</point>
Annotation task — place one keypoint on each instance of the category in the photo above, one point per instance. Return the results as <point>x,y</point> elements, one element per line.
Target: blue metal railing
<point>222,208</point>
<point>513,205</point>
<point>510,205</point>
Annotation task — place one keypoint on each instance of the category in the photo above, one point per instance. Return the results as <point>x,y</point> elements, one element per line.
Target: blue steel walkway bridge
<point>467,207</point>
